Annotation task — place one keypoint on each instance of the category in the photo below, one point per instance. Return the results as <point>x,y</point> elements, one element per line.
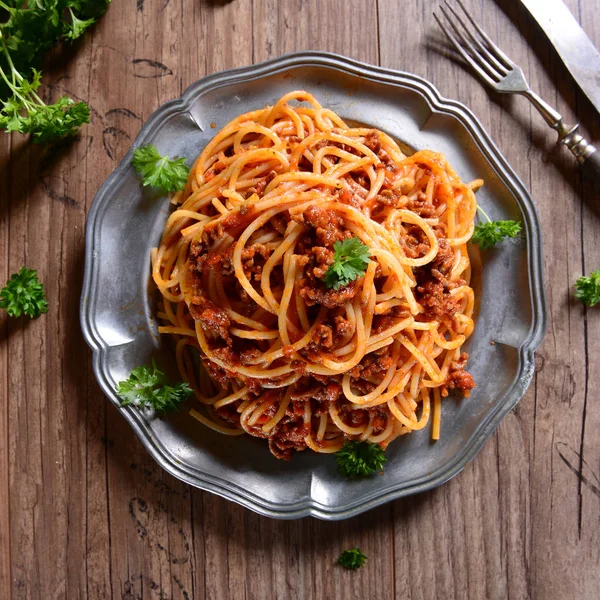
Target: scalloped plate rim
<point>438,104</point>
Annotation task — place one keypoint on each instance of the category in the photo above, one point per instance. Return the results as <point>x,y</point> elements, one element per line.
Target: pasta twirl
<point>268,347</point>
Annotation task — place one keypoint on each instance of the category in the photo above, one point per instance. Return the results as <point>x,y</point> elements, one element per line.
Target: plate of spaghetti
<point>314,285</point>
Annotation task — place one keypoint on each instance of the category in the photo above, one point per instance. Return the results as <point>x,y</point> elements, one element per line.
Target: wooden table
<point>85,512</point>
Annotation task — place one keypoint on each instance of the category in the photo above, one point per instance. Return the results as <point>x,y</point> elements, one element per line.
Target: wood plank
<point>5,541</point>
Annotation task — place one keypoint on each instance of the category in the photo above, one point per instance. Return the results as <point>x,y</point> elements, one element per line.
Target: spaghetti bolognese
<point>316,281</point>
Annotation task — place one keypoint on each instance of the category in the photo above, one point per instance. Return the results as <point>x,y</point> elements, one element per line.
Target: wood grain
<point>85,512</point>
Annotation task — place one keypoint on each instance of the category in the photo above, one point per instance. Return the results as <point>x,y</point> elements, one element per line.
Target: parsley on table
<point>350,261</point>
<point>147,387</point>
<point>352,559</point>
<point>490,233</point>
<point>587,289</point>
<point>30,29</point>
<point>359,459</point>
<point>24,294</point>
<point>160,171</point>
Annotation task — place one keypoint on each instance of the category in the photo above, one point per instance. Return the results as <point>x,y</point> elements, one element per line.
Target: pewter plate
<point>126,221</point>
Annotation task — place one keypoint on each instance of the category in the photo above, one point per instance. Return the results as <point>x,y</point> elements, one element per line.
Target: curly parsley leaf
<point>147,387</point>
<point>587,289</point>
<point>360,459</point>
<point>24,294</point>
<point>160,171</point>
<point>490,233</point>
<point>487,235</point>
<point>352,559</point>
<point>77,26</point>
<point>29,30</point>
<point>350,261</point>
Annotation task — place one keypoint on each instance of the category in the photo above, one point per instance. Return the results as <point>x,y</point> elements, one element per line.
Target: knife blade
<point>572,44</point>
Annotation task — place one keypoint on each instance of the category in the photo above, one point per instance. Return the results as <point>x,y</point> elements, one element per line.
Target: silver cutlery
<point>500,73</point>
<point>571,42</point>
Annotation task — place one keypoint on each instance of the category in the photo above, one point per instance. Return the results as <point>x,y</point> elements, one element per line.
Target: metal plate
<point>117,302</point>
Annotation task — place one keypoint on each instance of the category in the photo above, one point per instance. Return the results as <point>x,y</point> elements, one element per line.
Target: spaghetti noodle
<point>268,348</point>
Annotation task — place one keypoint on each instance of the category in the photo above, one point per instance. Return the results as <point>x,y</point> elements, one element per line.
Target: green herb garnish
<point>360,459</point>
<point>24,294</point>
<point>160,171</point>
<point>352,559</point>
<point>147,387</point>
<point>32,28</point>
<point>351,258</point>
<point>587,289</point>
<point>490,233</point>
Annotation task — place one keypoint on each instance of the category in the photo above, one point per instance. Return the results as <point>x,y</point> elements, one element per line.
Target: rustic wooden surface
<point>85,512</point>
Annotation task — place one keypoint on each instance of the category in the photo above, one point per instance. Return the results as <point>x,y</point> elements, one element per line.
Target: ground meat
<point>217,373</point>
<point>382,322</point>
<point>322,338</point>
<point>253,260</point>
<point>421,207</point>
<point>323,258</point>
<point>362,180</point>
<point>318,294</point>
<point>379,420</point>
<point>323,394</point>
<point>229,414</point>
<point>370,365</point>
<point>263,183</point>
<point>342,329</point>
<point>372,141</point>
<point>247,355</point>
<point>444,259</point>
<point>290,433</point>
<point>214,320</point>
<point>328,226</point>
<point>391,198</point>
<point>436,301</point>
<point>415,242</point>
<point>458,378</point>
<point>364,387</point>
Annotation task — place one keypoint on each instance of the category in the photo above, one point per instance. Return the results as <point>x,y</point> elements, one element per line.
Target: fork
<point>500,73</point>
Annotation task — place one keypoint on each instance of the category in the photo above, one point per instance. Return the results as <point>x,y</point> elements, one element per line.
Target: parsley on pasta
<point>350,261</point>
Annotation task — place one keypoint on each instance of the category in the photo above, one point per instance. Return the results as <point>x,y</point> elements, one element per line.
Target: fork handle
<point>592,164</point>
<point>569,135</point>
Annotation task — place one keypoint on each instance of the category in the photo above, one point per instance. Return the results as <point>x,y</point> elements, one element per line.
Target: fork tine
<point>464,54</point>
<point>491,59</point>
<point>493,47</point>
<point>475,56</point>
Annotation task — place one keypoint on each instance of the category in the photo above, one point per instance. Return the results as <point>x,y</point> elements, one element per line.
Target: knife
<point>571,42</point>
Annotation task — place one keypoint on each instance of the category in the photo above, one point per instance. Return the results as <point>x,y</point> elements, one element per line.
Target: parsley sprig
<point>350,261</point>
<point>24,294</point>
<point>587,289</point>
<point>359,459</point>
<point>160,171</point>
<point>26,112</point>
<point>32,28</point>
<point>490,233</point>
<point>352,559</point>
<point>147,387</point>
